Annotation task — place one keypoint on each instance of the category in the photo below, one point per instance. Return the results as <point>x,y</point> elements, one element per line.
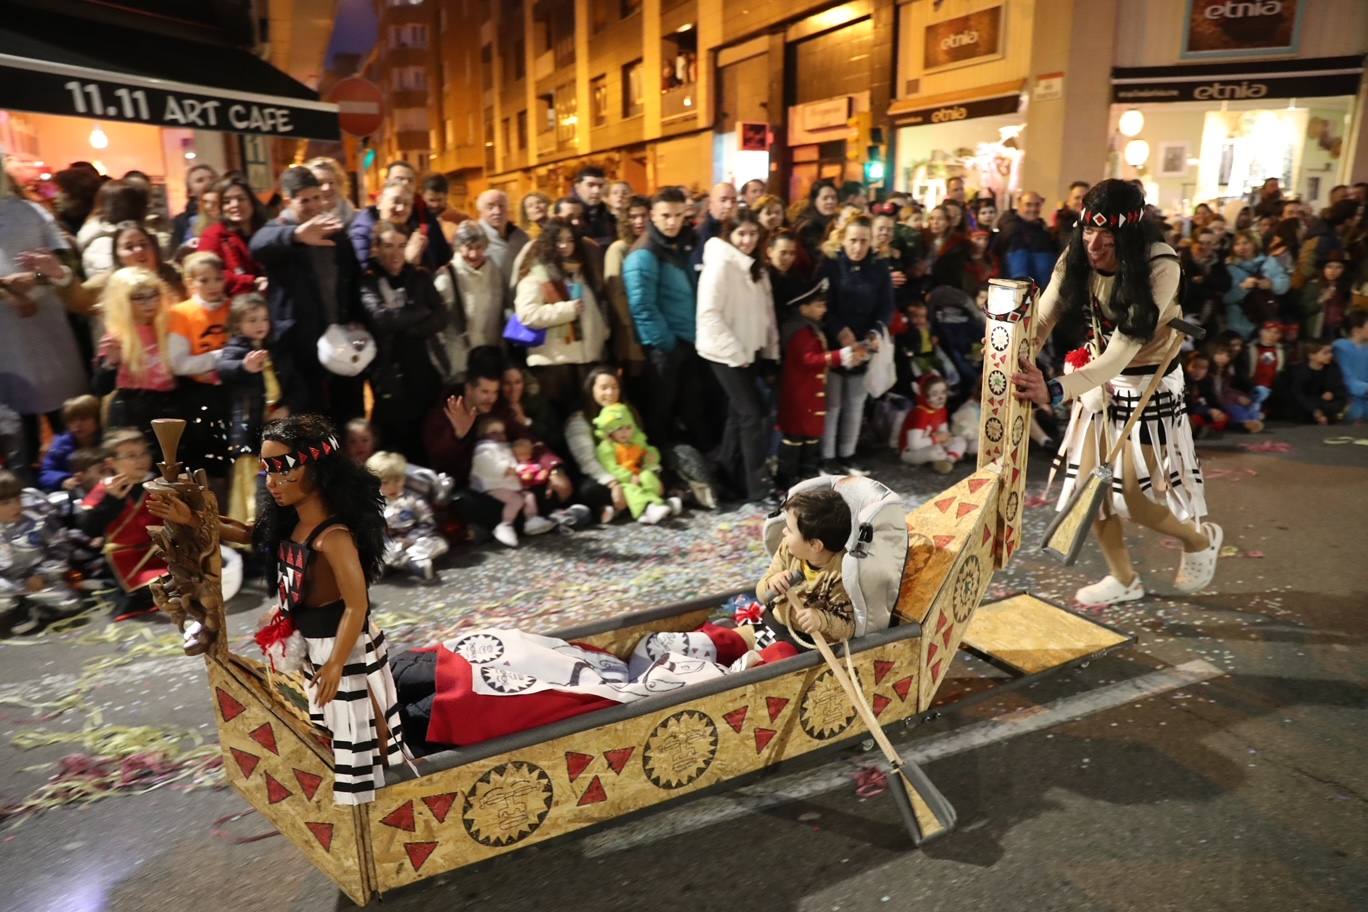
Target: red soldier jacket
<point>920,424</point>
<point>802,390</point>
<point>123,523</point>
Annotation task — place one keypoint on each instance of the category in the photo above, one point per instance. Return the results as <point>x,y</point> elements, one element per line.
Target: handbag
<point>881,372</point>
<point>1259,304</point>
<point>519,334</point>
<point>346,349</point>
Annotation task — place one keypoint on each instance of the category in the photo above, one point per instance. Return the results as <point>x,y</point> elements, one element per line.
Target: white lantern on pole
<point>1131,123</point>
<point>1136,153</point>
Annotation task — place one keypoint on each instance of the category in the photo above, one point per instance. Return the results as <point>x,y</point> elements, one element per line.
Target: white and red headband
<point>1093,218</point>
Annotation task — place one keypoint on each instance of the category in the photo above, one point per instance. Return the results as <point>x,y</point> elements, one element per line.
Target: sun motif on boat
<point>1000,337</point>
<point>825,711</point>
<point>507,804</point>
<point>680,749</point>
<point>964,596</point>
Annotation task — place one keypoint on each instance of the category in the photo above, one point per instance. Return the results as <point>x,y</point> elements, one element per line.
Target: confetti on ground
<point>1267,446</point>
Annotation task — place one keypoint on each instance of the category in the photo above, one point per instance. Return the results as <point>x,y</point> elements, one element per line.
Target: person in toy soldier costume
<point>322,516</point>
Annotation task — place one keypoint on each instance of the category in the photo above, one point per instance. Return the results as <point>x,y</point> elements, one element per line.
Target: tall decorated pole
<point>1005,422</point>
<point>191,593</point>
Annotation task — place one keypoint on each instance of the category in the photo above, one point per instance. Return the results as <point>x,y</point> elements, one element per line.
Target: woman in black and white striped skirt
<point>1118,271</point>
<point>322,516</point>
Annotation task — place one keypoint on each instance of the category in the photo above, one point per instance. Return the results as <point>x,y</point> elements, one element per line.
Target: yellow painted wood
<point>274,768</point>
<point>452,818</point>
<point>1005,424</point>
<point>1031,635</point>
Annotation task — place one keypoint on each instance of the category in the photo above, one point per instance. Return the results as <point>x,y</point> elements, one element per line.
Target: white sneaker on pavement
<point>654,514</point>
<point>537,525</point>
<point>1109,591</point>
<point>676,505</point>
<point>505,534</point>
<point>1197,568</point>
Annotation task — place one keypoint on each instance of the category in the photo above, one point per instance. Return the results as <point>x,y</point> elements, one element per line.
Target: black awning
<point>55,64</point>
<point>1306,78</point>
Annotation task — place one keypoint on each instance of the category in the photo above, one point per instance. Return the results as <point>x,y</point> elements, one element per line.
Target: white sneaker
<point>1198,567</point>
<point>1110,591</point>
<point>505,534</point>
<point>676,505</point>
<point>537,525</point>
<point>654,514</point>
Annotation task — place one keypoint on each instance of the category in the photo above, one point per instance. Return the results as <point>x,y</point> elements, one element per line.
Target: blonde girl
<point>132,358</point>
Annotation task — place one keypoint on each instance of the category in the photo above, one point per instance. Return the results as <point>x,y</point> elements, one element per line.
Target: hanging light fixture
<point>1131,123</point>
<point>1136,153</point>
<point>99,139</point>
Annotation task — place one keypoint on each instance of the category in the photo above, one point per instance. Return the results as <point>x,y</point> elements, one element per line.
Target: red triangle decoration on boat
<point>594,793</point>
<point>763,736</point>
<point>931,649</point>
<point>775,705</point>
<point>323,833</point>
<point>944,503</point>
<point>440,805</point>
<point>935,671</point>
<point>945,637</point>
<point>880,703</point>
<point>264,735</point>
<point>401,818</point>
<point>987,534</point>
<point>418,852</point>
<point>245,761</point>
<point>229,707</point>
<point>309,782</point>
<point>964,509</point>
<point>943,541</point>
<point>881,670</point>
<point>575,763</point>
<point>617,759</point>
<point>736,718</point>
<point>275,792</point>
<point>942,622</point>
<point>1016,473</point>
<point>976,483</point>
<point>903,687</point>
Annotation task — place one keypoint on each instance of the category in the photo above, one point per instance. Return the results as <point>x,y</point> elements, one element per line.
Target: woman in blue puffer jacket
<point>1251,270</point>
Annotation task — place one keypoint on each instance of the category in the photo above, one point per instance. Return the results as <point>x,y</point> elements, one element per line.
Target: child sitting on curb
<point>624,452</point>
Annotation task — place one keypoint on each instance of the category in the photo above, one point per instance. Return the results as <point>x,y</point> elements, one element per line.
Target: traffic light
<point>858,139</point>
<point>875,167</point>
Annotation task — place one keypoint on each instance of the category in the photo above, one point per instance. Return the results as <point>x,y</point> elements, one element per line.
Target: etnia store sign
<point>1216,28</point>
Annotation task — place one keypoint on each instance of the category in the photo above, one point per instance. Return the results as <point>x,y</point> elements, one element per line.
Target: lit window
<point>632,105</point>
<point>598,97</point>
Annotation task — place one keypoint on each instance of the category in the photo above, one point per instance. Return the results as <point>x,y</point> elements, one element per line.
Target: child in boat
<point>490,682</point>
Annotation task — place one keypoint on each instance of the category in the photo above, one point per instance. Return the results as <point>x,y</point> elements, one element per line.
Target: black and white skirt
<point>1160,444</point>
<point>358,761</point>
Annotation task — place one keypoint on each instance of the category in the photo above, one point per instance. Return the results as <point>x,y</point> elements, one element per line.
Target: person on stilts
<point>1117,269</point>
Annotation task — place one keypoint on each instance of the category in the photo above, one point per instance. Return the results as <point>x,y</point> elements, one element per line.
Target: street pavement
<point>1215,764</point>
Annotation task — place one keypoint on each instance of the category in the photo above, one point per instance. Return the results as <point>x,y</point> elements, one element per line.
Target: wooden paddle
<point>925,811</point>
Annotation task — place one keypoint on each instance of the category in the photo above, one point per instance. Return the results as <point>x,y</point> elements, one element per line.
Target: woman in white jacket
<point>553,293</point>
<point>736,328</point>
<point>471,286</point>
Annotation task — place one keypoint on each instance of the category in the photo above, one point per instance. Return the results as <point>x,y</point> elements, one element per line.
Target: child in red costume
<point>926,436</point>
<point>1265,361</point>
<point>802,388</point>
<point>116,510</point>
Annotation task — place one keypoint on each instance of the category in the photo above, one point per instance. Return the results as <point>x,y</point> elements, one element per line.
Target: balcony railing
<point>679,102</point>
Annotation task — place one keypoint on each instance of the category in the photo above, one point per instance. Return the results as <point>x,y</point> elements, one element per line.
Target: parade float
<point>920,576</point>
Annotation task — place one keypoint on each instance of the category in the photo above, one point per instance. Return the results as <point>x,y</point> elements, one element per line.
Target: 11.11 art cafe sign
<point>163,104</point>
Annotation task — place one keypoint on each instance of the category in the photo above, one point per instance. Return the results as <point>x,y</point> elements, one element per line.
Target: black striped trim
<point>354,787</point>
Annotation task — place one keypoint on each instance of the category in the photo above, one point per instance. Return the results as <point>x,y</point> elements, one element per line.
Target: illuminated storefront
<point>979,141</point>
<point>127,99</point>
<point>1210,133</point>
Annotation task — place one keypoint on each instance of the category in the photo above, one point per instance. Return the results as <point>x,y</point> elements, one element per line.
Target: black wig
<point>1132,297</point>
<point>351,492</point>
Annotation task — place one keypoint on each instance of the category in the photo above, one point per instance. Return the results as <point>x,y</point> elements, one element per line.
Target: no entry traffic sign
<point>360,105</point>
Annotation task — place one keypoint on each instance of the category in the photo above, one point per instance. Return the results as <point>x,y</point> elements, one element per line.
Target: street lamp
<point>1131,123</point>
<point>1136,153</point>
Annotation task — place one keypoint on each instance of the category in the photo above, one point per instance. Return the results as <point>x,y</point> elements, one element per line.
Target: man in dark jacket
<point>721,210</point>
<point>1206,278</point>
<point>313,284</point>
<point>398,204</point>
<point>1024,243</point>
<point>599,223</point>
<point>198,178</point>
